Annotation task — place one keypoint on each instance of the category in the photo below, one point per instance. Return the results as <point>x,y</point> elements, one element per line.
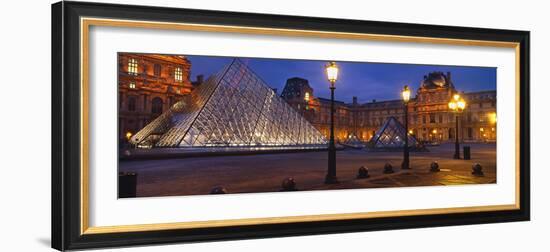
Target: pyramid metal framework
<point>232,108</point>
<point>391,135</point>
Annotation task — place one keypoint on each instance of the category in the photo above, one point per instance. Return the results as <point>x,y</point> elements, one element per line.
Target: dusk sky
<point>367,81</point>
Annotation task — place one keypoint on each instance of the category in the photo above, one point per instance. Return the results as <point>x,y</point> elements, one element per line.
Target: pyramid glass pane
<point>232,108</point>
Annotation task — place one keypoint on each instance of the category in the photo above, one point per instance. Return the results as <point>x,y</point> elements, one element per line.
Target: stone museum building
<point>429,116</point>
<point>148,84</point>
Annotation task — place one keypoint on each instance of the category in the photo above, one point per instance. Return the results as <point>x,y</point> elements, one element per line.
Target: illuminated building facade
<point>429,116</point>
<point>148,84</point>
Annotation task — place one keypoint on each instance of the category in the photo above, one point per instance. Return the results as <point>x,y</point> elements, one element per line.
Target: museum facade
<point>148,84</point>
<point>429,116</point>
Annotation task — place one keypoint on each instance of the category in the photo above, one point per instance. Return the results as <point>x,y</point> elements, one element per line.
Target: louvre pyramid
<point>232,108</point>
<point>353,141</point>
<point>391,135</point>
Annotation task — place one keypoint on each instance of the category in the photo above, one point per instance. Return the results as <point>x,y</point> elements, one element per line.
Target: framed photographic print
<point>179,125</point>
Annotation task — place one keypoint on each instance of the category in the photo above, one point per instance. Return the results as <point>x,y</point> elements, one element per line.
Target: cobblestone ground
<point>264,173</point>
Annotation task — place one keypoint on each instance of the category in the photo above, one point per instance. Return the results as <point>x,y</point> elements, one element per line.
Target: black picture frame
<point>66,141</point>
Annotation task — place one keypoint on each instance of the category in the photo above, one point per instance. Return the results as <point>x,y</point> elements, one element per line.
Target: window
<point>306,97</point>
<point>132,66</point>
<point>156,107</point>
<point>481,117</point>
<point>157,69</point>
<point>131,103</point>
<point>132,85</point>
<point>432,118</point>
<point>178,74</point>
<point>440,118</point>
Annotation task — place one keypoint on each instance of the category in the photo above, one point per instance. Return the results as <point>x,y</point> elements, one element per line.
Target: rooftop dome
<point>436,79</point>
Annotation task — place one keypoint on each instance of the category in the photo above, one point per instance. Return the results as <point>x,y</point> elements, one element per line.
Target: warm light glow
<point>456,97</point>
<point>406,93</point>
<point>306,97</point>
<point>457,104</point>
<point>461,104</point>
<point>410,132</point>
<point>493,117</point>
<point>452,105</point>
<point>332,72</point>
<point>434,131</point>
<point>481,129</point>
<point>128,135</point>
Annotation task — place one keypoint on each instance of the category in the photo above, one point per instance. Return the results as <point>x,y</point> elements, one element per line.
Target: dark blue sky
<point>367,81</point>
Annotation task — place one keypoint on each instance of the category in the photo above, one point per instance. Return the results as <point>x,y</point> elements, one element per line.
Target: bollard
<point>466,151</point>
<point>477,170</point>
<point>388,168</point>
<point>127,184</point>
<point>434,167</point>
<point>288,184</point>
<point>363,172</point>
<point>218,190</point>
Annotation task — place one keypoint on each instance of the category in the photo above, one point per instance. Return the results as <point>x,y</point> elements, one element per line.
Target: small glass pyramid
<point>391,135</point>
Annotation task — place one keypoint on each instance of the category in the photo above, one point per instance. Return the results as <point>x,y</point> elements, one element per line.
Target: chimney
<point>200,78</point>
<point>449,76</point>
<point>355,100</point>
<point>274,90</point>
<point>373,100</point>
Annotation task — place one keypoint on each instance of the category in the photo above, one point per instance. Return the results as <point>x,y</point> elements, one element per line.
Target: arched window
<point>131,103</point>
<point>156,107</point>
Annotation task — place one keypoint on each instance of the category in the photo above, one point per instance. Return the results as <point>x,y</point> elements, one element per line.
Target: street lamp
<point>128,135</point>
<point>457,105</point>
<point>406,93</point>
<point>332,75</point>
<point>306,100</point>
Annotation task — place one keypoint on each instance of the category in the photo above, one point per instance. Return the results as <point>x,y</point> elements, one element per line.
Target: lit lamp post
<point>332,74</point>
<point>406,93</point>
<point>457,105</point>
<point>128,135</point>
<point>306,101</point>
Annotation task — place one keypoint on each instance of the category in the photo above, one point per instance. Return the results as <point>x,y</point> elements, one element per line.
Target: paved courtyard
<point>265,173</point>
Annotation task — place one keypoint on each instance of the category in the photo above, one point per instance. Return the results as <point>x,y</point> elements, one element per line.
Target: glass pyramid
<point>391,135</point>
<point>353,141</point>
<point>232,108</point>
